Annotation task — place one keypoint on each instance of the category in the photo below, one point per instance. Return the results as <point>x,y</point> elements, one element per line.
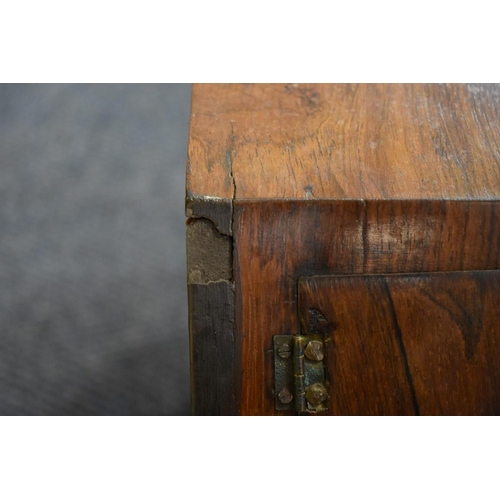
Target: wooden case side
<point>278,242</point>
<point>213,349</point>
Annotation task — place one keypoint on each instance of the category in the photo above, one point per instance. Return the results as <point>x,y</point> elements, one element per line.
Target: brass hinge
<point>299,373</point>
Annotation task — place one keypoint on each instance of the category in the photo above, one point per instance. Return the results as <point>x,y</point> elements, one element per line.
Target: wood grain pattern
<point>214,361</point>
<point>368,141</point>
<point>278,242</point>
<point>418,235</point>
<point>210,147</point>
<point>342,179</point>
<point>274,244</point>
<point>408,344</point>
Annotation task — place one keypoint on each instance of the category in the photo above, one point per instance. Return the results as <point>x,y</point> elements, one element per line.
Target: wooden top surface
<point>341,141</point>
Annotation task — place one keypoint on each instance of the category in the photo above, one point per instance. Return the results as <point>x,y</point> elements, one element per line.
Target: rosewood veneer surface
<point>296,181</point>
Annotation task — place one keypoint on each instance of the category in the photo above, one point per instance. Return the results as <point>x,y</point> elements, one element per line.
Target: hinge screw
<point>284,351</point>
<point>314,350</point>
<point>285,396</point>
<point>316,394</point>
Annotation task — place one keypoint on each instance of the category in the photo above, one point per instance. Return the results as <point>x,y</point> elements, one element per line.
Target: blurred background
<point>93,301</point>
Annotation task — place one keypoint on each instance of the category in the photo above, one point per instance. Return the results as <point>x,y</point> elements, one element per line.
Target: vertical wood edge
<point>211,300</point>
<point>212,348</point>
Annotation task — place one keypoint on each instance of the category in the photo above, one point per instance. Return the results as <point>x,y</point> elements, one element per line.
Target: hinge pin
<point>299,373</point>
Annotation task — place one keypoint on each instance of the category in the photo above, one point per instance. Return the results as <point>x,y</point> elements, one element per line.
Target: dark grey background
<point>93,312</point>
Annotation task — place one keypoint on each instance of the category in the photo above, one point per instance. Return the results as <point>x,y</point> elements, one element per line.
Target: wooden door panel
<point>403,344</point>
